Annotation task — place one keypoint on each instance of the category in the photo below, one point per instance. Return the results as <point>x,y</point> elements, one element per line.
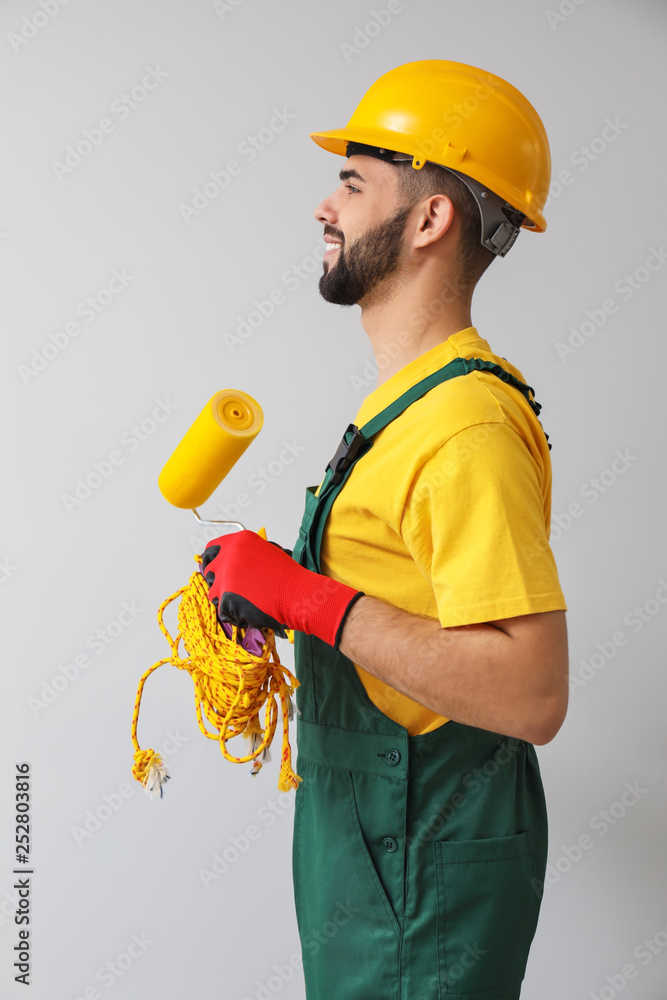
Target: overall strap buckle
<point>346,453</point>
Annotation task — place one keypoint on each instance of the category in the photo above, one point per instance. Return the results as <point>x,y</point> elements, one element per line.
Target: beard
<point>370,259</point>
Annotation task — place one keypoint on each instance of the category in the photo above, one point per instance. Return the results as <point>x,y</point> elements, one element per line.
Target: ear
<point>435,219</point>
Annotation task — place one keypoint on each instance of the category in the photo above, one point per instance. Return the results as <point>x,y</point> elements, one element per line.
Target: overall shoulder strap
<point>357,441</point>
<point>459,366</point>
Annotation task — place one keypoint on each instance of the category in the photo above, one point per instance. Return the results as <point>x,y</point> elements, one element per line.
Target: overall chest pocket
<point>487,916</point>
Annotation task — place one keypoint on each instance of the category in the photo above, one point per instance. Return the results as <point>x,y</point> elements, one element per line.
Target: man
<point>430,641</point>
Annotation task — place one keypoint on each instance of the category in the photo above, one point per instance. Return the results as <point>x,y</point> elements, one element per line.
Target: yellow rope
<point>231,686</point>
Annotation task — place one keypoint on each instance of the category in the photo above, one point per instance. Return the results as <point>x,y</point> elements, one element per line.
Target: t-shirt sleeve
<point>475,522</point>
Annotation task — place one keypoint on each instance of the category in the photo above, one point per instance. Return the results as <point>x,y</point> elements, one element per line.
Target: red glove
<point>255,582</point>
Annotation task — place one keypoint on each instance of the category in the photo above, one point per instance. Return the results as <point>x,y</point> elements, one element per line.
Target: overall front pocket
<point>487,914</point>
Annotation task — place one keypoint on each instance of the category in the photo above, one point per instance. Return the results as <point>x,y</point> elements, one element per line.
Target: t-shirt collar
<point>465,343</point>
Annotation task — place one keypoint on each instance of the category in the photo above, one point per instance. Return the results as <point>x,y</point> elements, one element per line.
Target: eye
<point>350,187</point>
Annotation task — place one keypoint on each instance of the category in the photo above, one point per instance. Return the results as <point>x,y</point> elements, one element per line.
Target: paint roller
<point>229,422</point>
<point>234,674</point>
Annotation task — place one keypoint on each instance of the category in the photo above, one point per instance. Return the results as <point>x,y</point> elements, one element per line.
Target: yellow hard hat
<point>460,117</point>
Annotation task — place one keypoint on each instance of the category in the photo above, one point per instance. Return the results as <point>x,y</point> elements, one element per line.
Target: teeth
<point>333,246</point>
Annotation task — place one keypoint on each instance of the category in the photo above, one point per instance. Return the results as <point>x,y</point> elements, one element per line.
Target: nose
<point>326,211</point>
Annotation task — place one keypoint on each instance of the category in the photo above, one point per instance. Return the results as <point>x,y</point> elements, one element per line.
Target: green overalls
<point>416,859</point>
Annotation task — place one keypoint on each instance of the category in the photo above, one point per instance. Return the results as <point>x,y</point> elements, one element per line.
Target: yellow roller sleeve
<point>221,433</point>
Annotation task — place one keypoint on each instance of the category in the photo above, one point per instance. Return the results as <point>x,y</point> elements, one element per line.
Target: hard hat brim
<point>336,140</point>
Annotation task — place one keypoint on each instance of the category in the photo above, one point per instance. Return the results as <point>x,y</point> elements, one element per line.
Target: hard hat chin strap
<point>500,222</point>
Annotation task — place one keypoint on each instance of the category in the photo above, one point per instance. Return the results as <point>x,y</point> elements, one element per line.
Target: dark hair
<point>415,185</point>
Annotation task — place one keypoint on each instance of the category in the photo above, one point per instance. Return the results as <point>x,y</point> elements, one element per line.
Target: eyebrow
<point>344,174</point>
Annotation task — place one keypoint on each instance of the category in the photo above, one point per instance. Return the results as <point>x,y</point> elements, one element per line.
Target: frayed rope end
<point>151,772</point>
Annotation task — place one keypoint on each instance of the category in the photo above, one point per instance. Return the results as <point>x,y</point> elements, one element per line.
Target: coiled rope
<point>231,686</point>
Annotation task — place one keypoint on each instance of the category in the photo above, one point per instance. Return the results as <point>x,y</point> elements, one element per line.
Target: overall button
<point>390,845</point>
<point>392,757</point>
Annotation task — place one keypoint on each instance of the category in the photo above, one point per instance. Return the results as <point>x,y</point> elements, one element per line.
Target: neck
<point>412,315</point>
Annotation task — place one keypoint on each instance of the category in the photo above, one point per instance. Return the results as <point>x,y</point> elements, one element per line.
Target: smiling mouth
<point>333,248</point>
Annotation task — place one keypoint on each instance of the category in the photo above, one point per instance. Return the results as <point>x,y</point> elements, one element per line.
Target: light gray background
<point>67,574</point>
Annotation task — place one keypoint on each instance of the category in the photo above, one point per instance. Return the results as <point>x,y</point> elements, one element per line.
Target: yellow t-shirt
<point>448,514</point>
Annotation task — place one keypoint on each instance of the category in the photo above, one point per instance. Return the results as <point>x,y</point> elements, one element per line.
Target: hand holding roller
<point>256,583</point>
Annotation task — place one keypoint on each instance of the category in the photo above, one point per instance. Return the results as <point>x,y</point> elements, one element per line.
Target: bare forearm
<point>478,675</point>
